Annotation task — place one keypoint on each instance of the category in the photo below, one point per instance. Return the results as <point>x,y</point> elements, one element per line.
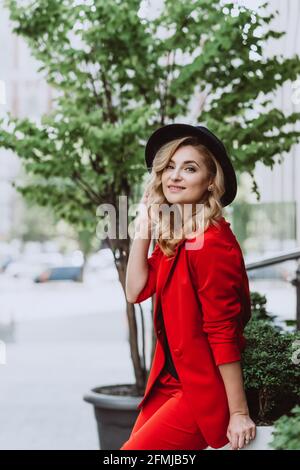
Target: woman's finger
<point>241,440</point>
<point>234,441</point>
<point>247,437</point>
<point>253,432</point>
<point>145,196</point>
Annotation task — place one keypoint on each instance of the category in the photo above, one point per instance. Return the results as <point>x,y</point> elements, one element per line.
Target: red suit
<point>204,294</point>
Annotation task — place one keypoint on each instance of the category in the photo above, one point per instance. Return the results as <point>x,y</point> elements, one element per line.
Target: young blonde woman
<point>194,396</point>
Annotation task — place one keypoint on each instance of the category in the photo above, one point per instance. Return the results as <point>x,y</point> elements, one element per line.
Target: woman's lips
<point>174,189</point>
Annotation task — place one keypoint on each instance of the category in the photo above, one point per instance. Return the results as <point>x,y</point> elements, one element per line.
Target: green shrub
<point>271,377</point>
<point>286,435</point>
<point>258,307</point>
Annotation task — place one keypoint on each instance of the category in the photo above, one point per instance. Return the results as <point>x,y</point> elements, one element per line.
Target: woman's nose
<point>176,174</point>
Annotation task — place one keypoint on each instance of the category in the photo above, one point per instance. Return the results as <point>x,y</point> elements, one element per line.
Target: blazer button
<point>159,332</point>
<point>177,352</point>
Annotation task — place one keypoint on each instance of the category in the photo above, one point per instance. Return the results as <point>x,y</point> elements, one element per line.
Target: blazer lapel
<point>168,267</point>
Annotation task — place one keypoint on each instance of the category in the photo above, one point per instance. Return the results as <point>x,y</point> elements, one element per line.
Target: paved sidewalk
<point>53,363</point>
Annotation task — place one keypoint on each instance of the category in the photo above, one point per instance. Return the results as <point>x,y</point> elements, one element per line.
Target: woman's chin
<point>175,198</point>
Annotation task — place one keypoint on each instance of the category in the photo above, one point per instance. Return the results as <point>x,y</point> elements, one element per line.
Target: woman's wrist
<point>241,411</point>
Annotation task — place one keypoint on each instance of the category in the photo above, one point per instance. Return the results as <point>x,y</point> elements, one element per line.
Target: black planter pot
<point>115,414</point>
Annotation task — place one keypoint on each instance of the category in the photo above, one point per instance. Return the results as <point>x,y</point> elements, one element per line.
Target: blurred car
<point>21,270</point>
<point>5,262</point>
<point>60,273</point>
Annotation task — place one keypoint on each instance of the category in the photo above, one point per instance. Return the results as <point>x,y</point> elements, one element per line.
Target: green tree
<point>118,76</point>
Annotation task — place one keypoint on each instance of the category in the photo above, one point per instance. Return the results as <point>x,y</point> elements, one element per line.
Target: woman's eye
<point>187,168</point>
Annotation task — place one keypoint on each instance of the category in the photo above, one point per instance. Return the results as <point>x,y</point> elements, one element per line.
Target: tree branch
<point>85,186</point>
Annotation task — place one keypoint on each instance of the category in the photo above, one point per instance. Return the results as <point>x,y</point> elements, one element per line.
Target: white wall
<point>282,183</point>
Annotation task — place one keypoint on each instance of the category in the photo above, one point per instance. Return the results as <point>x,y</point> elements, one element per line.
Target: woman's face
<point>187,172</point>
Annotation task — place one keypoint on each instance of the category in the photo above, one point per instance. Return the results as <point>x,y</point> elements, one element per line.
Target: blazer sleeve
<point>218,271</point>
<point>150,286</point>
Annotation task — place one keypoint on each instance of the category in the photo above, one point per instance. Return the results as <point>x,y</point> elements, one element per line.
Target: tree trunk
<point>263,398</point>
<point>121,263</point>
<point>120,249</point>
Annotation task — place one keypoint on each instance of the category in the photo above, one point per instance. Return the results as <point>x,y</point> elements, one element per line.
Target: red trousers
<point>165,421</point>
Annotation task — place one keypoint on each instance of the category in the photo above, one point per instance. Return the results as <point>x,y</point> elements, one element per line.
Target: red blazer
<point>204,294</point>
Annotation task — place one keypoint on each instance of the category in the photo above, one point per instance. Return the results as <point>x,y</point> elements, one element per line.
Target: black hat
<point>175,131</point>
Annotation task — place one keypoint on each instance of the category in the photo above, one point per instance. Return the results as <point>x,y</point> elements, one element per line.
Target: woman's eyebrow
<point>187,161</point>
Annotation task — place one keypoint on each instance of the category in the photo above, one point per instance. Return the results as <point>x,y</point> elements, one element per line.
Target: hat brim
<point>170,132</point>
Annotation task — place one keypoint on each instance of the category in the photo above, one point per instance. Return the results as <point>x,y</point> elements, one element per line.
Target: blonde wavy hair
<point>164,223</point>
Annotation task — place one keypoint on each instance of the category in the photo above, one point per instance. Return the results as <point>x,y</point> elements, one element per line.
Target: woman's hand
<point>145,197</point>
<point>241,430</point>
